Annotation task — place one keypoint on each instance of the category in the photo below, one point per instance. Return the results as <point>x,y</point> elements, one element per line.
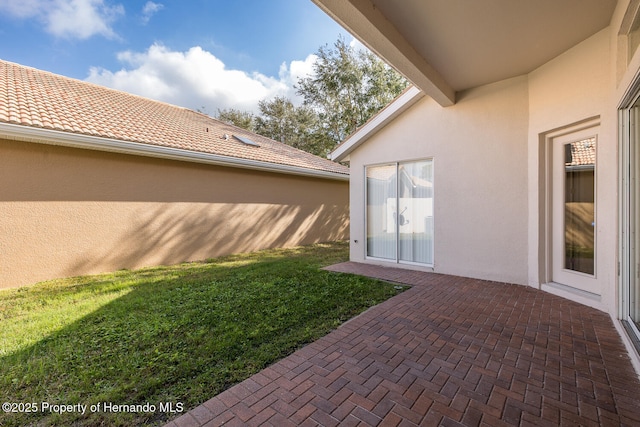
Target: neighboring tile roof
<point>36,98</point>
<point>583,153</point>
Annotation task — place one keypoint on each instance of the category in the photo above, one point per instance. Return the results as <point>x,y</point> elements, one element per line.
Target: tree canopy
<point>347,87</point>
<point>242,119</point>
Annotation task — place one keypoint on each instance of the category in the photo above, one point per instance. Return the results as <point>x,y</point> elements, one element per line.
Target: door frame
<point>579,280</point>
<point>626,175</point>
<point>546,252</point>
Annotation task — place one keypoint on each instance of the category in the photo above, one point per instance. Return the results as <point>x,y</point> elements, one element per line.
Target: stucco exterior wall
<point>67,212</point>
<point>489,164</point>
<point>572,88</point>
<point>480,156</point>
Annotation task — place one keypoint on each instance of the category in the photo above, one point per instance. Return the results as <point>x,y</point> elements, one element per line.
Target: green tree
<point>347,87</point>
<point>299,126</point>
<point>242,119</point>
<point>277,120</point>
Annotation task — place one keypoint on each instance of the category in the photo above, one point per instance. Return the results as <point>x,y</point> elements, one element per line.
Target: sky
<point>200,54</point>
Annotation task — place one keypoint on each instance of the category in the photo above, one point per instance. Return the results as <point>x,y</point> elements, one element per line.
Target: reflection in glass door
<point>579,205</point>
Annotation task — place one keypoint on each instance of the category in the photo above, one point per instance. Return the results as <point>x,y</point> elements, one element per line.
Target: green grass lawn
<point>174,335</point>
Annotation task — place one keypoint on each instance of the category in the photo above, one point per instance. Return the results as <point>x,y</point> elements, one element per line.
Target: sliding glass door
<point>630,216</point>
<point>399,212</point>
<point>632,152</point>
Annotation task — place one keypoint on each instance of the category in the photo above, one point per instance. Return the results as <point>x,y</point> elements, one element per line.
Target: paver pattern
<point>450,351</point>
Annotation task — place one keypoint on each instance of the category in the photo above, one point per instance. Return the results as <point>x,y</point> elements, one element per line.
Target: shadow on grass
<point>183,334</point>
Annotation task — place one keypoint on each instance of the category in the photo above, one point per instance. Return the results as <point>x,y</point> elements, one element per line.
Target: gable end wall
<point>479,149</point>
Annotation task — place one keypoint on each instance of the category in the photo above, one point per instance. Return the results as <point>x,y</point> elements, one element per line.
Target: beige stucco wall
<point>66,212</point>
<point>489,167</point>
<point>574,87</point>
<point>480,156</point>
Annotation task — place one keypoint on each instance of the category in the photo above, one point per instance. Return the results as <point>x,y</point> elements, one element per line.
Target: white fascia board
<point>380,120</point>
<point>88,142</point>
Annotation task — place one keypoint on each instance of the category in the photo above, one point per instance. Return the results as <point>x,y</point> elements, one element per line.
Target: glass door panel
<point>634,215</point>
<point>579,205</point>
<point>381,203</point>
<point>415,212</point>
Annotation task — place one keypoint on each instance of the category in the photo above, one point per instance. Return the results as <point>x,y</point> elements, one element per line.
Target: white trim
<point>88,142</point>
<point>623,214</point>
<point>390,112</point>
<point>574,294</point>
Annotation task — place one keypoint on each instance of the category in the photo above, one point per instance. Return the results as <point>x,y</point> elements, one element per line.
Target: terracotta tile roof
<point>582,153</point>
<point>35,98</point>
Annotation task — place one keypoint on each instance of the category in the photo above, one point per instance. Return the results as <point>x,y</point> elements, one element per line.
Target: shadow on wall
<point>174,233</point>
<point>71,212</point>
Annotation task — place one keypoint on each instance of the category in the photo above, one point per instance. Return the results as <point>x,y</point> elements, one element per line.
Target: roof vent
<point>246,141</point>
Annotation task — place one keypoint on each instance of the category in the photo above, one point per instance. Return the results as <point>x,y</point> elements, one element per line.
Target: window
<point>630,26</point>
<point>399,212</point>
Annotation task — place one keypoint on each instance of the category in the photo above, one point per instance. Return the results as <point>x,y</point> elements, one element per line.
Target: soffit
<point>460,44</point>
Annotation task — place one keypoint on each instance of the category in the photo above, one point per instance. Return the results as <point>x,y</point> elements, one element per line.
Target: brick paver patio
<point>449,351</point>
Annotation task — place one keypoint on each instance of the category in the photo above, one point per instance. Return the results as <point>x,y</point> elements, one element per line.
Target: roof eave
<point>365,22</point>
<point>96,143</point>
<point>380,120</point>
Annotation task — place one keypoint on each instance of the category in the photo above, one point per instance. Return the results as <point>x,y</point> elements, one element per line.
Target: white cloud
<point>357,45</point>
<point>22,9</point>
<point>150,8</point>
<point>68,18</point>
<point>290,74</point>
<point>196,78</point>
<point>83,19</point>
